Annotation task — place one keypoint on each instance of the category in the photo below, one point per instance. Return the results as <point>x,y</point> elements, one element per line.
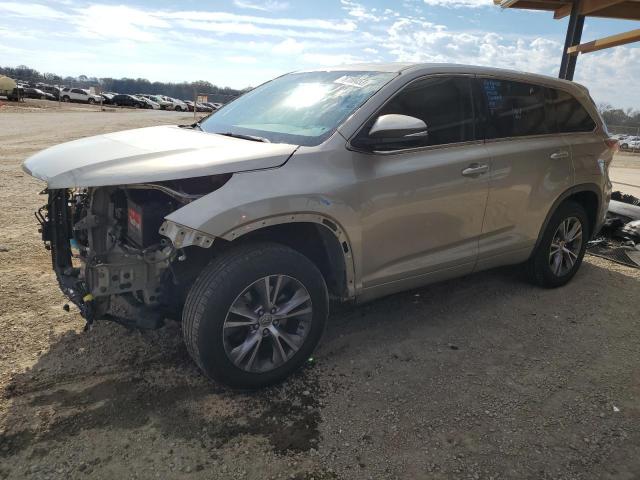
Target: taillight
<point>612,144</point>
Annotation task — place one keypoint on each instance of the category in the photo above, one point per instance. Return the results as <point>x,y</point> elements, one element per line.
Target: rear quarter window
<point>568,113</point>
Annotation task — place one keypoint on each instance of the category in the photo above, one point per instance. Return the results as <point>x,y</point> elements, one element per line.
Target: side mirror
<point>398,128</point>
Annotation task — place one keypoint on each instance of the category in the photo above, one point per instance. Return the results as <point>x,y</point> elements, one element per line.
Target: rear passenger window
<point>568,113</point>
<point>516,109</point>
<point>443,103</point>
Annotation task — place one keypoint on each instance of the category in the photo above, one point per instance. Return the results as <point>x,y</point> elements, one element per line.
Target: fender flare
<point>326,222</point>
<point>583,187</point>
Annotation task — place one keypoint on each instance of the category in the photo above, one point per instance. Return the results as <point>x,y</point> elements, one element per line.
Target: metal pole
<point>574,35</point>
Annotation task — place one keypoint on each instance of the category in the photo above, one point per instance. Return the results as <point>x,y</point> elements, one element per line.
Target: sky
<point>241,43</point>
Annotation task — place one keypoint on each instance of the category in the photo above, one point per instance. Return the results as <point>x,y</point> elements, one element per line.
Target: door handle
<point>559,155</point>
<point>475,169</point>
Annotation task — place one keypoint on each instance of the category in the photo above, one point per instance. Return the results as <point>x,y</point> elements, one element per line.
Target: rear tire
<point>260,346</point>
<point>66,99</point>
<point>559,254</point>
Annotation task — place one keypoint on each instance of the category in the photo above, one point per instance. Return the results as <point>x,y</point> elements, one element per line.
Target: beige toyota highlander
<point>341,184</point>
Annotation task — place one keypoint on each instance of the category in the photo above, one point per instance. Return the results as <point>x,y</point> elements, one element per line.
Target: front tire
<point>255,315</point>
<point>91,101</point>
<point>559,254</point>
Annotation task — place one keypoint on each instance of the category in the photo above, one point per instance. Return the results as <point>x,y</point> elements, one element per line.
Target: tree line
<point>184,90</point>
<point>629,118</point>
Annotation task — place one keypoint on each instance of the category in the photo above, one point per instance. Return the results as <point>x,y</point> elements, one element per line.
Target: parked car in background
<point>204,108</point>
<point>69,94</point>
<point>628,142</point>
<point>122,100</point>
<point>212,106</point>
<point>178,105</point>
<point>189,104</point>
<point>107,97</point>
<point>53,90</point>
<point>198,106</point>
<point>164,104</point>
<point>30,92</point>
<point>633,145</point>
<point>421,173</point>
<point>148,103</point>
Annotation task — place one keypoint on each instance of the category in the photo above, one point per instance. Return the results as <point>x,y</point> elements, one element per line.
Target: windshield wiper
<point>253,138</point>
<point>192,125</point>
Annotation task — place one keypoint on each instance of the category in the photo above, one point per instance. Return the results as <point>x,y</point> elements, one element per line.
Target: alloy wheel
<point>565,246</point>
<point>267,323</point>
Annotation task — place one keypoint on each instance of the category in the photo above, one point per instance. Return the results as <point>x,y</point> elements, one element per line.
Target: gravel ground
<point>478,378</point>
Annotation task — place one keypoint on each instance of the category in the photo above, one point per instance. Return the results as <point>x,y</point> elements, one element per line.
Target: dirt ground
<point>485,377</point>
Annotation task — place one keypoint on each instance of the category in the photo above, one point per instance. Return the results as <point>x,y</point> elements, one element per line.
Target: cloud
<point>459,3</point>
<point>267,6</point>
<point>250,29</point>
<point>225,17</point>
<point>611,74</point>
<point>249,46</point>
<point>29,10</point>
<point>325,60</point>
<point>359,11</point>
<point>289,46</point>
<point>422,41</point>
<point>118,22</point>
<point>241,59</point>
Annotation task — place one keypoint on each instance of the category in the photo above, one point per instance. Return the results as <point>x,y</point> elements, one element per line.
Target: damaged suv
<point>341,184</point>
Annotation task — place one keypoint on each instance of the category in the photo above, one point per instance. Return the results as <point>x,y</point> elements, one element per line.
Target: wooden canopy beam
<point>607,42</point>
<point>587,7</point>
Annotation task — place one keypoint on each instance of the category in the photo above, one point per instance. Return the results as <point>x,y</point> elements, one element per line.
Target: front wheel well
<point>316,242</point>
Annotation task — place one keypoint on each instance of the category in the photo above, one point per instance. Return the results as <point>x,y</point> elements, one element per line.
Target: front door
<point>422,204</point>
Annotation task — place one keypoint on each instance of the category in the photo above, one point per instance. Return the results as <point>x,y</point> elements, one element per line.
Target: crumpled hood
<point>150,155</point>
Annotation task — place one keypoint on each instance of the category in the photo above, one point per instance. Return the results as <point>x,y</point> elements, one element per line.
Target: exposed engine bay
<point>110,257</point>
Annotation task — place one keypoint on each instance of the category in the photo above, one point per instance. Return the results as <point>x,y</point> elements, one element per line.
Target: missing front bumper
<point>55,226</point>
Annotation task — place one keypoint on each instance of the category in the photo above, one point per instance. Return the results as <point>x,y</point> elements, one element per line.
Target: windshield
<point>299,108</point>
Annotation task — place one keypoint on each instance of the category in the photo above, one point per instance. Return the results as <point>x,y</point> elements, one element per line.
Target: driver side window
<point>445,104</point>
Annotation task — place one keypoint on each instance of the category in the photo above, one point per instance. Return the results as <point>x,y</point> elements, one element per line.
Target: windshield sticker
<point>358,82</point>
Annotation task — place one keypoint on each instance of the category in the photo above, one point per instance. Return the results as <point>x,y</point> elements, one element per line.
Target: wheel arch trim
<point>325,221</point>
<point>583,187</point>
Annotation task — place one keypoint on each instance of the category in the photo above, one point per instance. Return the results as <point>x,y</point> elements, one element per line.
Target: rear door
<point>577,126</point>
<point>530,167</point>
